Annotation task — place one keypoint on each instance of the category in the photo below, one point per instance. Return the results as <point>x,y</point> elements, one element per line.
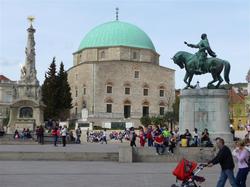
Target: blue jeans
<point>242,177</point>
<point>158,146</point>
<point>55,140</point>
<point>227,173</point>
<point>150,142</point>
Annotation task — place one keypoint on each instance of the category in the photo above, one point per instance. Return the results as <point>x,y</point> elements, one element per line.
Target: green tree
<point>176,108</point>
<point>145,121</point>
<point>157,120</point>
<point>64,103</point>
<point>170,119</point>
<point>50,92</point>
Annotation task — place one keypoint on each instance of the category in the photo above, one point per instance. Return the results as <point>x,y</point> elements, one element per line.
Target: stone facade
<point>116,53</point>
<point>6,97</point>
<point>205,108</point>
<point>90,78</point>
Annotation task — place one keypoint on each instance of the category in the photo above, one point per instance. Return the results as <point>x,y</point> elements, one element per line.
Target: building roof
<point>116,33</point>
<point>3,78</point>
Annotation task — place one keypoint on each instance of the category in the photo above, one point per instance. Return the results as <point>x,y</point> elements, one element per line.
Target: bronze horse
<point>212,65</point>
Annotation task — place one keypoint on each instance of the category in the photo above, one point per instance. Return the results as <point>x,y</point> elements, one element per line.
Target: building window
<point>162,111</point>
<point>84,91</point>
<point>145,111</point>
<point>134,55</point>
<point>76,111</point>
<point>127,111</point>
<point>145,92</point>
<point>127,91</point>
<point>76,76</point>
<point>102,54</point>
<point>76,93</point>
<point>109,89</point>
<point>161,93</point>
<point>109,108</point>
<point>136,74</point>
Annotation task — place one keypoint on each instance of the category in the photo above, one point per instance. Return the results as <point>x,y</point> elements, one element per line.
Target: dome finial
<point>117,13</point>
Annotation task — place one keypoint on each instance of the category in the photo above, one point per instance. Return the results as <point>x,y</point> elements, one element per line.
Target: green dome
<point>116,33</point>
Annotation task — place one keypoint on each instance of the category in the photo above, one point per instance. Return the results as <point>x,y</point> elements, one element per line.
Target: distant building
<point>116,76</point>
<point>6,97</point>
<point>239,103</point>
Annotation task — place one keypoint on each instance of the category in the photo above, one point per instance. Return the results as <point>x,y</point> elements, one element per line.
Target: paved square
<point>93,174</point>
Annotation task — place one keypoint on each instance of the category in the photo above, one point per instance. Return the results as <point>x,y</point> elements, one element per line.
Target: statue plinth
<point>205,108</point>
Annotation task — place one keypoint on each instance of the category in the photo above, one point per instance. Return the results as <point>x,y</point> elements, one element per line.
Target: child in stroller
<point>186,171</point>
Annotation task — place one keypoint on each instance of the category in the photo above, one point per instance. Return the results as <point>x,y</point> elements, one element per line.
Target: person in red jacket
<point>159,143</point>
<point>142,137</point>
<point>55,133</point>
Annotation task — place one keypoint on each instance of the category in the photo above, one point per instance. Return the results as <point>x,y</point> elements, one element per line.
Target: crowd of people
<point>154,136</point>
<point>25,134</point>
<point>162,138</point>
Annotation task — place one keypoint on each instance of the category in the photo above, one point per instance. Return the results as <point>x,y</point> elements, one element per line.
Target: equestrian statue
<point>198,63</point>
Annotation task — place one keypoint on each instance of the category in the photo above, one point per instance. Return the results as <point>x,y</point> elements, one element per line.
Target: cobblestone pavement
<point>93,174</point>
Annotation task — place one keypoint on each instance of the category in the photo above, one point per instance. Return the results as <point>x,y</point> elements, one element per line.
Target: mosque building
<point>116,77</point>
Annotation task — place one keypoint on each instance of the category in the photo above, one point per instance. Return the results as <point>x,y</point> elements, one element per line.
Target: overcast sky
<point>62,24</point>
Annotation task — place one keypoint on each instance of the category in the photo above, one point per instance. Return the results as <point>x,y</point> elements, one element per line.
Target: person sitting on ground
<point>196,137</point>
<point>23,134</point>
<point>159,144</point>
<point>172,143</point>
<point>188,136</point>
<point>28,134</point>
<point>16,135</point>
<point>205,140</point>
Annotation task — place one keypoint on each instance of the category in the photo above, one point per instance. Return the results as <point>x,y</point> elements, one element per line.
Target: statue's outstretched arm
<point>191,45</point>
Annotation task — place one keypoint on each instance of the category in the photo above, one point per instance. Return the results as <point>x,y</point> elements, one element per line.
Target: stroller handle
<point>203,165</point>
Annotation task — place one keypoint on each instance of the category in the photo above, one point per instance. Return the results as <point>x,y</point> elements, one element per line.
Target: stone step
<point>59,156</point>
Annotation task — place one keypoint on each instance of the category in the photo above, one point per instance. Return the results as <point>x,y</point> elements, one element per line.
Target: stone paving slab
<point>93,174</point>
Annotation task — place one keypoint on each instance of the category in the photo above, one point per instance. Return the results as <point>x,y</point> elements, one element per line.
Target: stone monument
<point>206,107</point>
<point>26,111</point>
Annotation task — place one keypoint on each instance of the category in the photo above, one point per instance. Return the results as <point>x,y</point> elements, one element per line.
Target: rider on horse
<point>201,55</point>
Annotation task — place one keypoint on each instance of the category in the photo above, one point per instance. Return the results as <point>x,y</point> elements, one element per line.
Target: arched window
<point>102,54</point>
<point>134,55</point>
<point>26,112</point>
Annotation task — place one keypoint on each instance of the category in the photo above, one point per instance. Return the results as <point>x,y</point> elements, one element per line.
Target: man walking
<point>78,135</point>
<point>41,135</point>
<point>64,134</point>
<point>225,158</point>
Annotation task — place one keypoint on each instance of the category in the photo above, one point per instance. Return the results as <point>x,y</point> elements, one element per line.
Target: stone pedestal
<point>205,108</point>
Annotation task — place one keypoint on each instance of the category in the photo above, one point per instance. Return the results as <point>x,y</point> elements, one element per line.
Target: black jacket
<point>225,158</point>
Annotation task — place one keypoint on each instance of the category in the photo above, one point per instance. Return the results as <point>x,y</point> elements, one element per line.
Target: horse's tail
<point>227,68</point>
